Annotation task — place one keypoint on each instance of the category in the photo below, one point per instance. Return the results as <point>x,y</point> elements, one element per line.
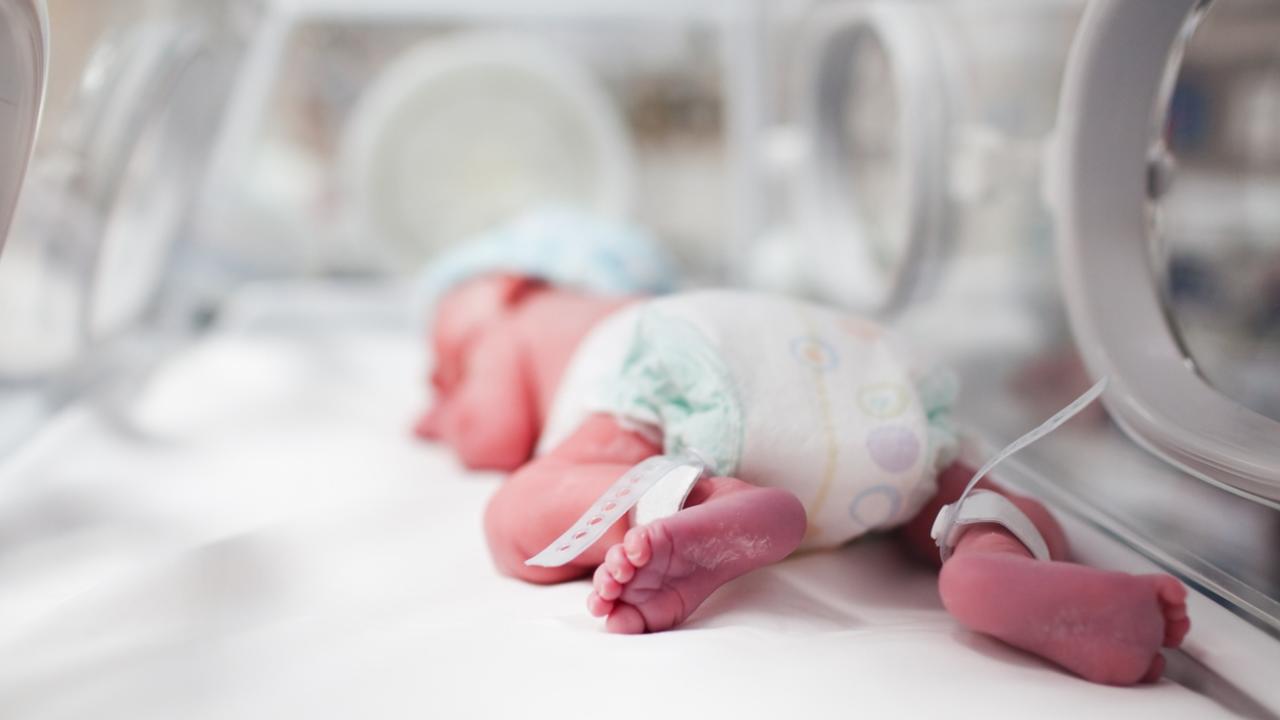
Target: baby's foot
<point>661,572</point>
<point>1104,626</point>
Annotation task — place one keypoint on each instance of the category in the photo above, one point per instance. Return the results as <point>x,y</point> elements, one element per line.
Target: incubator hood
<point>1161,101</point>
<point>208,279</point>
<point>922,127</point>
<point>24,43</point>
<point>1048,193</point>
<point>134,100</point>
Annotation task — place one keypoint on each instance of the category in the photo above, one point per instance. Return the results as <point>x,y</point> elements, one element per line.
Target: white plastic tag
<point>609,507</point>
<point>667,497</point>
<point>985,506</point>
<point>942,526</point>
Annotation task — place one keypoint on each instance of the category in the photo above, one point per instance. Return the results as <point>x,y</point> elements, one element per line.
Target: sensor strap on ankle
<point>985,506</point>
<point>668,478</point>
<point>948,526</point>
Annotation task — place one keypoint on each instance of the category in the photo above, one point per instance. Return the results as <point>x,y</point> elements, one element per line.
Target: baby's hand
<point>445,379</point>
<point>484,411</point>
<point>430,425</point>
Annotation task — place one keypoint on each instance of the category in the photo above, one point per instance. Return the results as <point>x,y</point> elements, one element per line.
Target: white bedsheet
<point>271,542</point>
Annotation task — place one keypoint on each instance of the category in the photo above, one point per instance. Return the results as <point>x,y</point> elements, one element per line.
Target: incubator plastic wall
<point>133,100</point>
<point>922,128</point>
<point>134,96</point>
<point>374,136</point>
<point>918,149</point>
<point>23,64</point>
<point>1216,202</point>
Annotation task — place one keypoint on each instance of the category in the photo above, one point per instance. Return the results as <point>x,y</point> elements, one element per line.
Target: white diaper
<point>776,392</point>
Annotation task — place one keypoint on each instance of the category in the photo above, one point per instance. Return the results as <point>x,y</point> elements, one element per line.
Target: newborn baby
<point>817,429</point>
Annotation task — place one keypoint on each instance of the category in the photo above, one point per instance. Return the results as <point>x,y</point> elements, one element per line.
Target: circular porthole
<point>1214,186</point>
<point>111,184</point>
<point>464,133</point>
<point>873,98</point>
<point>1148,170</point>
<point>23,39</point>
<point>927,124</point>
<point>167,84</point>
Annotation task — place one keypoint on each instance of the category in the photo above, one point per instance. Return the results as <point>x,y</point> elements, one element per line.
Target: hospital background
<point>212,342</point>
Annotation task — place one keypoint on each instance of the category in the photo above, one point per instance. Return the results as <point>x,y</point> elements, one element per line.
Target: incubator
<point>21,96</point>
<point>210,353</point>
<point>639,110</point>
<point>920,131</point>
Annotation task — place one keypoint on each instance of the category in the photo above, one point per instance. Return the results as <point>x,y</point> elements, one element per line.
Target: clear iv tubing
<point>1046,427</point>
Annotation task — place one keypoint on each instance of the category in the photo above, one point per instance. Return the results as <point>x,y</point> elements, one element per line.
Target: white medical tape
<point>944,525</point>
<point>607,509</point>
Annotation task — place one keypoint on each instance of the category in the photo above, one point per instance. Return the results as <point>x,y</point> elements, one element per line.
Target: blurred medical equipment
<point>23,63</point>
<point>1204,84</point>
<point>921,128</point>
<point>208,256</point>
<point>128,125</point>
<point>367,138</point>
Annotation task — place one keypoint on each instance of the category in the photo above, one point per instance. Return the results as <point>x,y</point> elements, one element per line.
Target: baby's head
<point>566,247</point>
<point>464,313</point>
<point>488,276</point>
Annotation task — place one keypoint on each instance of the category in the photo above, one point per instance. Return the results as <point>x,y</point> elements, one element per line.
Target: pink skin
<point>1107,627</point>
<point>500,344</point>
<point>661,572</point>
<point>1103,626</point>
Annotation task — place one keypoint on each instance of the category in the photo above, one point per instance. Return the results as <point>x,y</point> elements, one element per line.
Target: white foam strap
<point>683,471</point>
<point>945,531</point>
<point>985,506</point>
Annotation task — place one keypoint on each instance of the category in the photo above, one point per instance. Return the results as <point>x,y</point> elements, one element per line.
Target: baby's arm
<point>490,418</point>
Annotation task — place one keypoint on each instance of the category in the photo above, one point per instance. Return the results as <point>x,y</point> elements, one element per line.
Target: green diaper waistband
<point>674,379</point>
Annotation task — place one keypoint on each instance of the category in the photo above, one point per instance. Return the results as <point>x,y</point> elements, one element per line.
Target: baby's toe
<point>618,565</point>
<point>598,606</point>
<point>604,584</point>
<point>1175,631</point>
<point>1170,591</point>
<point>1173,603</point>
<point>637,546</point>
<point>625,620</point>
<point>1155,670</point>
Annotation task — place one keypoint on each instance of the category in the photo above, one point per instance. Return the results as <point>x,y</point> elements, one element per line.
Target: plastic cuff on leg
<point>985,506</point>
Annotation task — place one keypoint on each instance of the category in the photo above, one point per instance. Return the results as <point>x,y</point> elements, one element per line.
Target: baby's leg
<point>661,572</point>
<point>1107,627</point>
<point>543,498</point>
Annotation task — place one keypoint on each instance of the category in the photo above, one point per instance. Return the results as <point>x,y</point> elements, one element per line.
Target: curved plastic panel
<point>1110,102</point>
<point>914,69</point>
<point>136,97</point>
<point>146,130</point>
<point>24,42</point>
<point>488,124</point>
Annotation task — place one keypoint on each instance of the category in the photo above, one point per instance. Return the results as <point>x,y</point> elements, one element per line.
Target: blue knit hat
<point>562,246</point>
